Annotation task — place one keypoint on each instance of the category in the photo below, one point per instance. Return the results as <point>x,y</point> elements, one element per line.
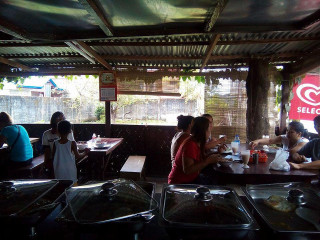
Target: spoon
<point>310,216</point>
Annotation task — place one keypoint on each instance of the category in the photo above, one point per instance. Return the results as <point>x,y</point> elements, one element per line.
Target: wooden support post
<point>285,92</point>
<point>108,119</point>
<point>257,86</point>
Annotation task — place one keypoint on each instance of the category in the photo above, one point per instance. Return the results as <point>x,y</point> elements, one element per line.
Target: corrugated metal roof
<point>140,27</point>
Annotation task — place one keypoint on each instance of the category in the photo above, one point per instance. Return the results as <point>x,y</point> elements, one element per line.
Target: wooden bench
<point>133,168</point>
<point>31,171</point>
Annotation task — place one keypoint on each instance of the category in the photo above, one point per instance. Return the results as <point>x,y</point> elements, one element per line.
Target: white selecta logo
<point>304,90</point>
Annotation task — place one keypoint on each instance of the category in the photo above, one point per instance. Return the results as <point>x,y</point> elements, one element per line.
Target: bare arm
<point>2,140</point>
<point>296,148</point>
<point>266,141</point>
<point>74,149</point>
<point>191,166</point>
<point>312,165</point>
<point>214,142</point>
<point>47,157</point>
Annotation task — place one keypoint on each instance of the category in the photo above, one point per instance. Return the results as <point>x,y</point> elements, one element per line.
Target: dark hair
<point>198,130</point>
<point>316,119</point>
<point>54,117</point>
<point>5,118</point>
<point>184,122</point>
<point>206,115</point>
<point>297,126</point>
<point>64,127</point>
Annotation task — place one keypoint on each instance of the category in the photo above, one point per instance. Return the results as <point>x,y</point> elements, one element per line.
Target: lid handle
<point>296,196</point>
<point>108,189</point>
<point>203,194</point>
<point>6,186</point>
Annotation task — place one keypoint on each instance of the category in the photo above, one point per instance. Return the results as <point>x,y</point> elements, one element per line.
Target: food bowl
<point>82,145</point>
<point>225,163</point>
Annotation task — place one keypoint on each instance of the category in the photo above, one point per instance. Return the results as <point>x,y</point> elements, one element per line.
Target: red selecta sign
<point>305,104</point>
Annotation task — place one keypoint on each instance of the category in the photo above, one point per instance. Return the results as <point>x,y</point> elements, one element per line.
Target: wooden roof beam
<point>310,20</point>
<point>311,62</point>
<point>93,53</point>
<point>193,43</point>
<point>94,10</point>
<point>210,48</point>
<point>95,56</point>
<point>74,46</point>
<point>15,64</point>
<point>215,14</point>
<point>13,30</point>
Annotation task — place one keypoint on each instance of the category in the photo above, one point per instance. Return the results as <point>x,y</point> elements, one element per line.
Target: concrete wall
<point>40,109</point>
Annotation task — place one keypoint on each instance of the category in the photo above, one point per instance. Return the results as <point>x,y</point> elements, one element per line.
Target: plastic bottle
<point>98,139</point>
<point>94,137</point>
<point>237,139</point>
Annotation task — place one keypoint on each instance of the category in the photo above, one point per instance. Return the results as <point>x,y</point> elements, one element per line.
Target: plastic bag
<point>280,161</point>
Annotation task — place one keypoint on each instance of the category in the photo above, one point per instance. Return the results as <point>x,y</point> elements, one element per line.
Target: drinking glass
<point>235,147</point>
<point>245,155</point>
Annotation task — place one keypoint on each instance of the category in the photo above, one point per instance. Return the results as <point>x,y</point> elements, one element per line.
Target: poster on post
<point>305,104</point>
<point>107,86</point>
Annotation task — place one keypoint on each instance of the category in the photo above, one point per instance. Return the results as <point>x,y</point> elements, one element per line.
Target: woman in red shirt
<point>190,158</point>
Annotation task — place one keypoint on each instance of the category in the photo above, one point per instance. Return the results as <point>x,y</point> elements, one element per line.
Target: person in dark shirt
<point>310,150</point>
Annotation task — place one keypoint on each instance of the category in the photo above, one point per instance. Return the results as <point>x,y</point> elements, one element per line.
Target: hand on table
<point>294,165</point>
<point>214,158</point>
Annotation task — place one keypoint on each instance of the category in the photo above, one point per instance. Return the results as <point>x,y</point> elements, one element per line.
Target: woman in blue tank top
<point>18,141</point>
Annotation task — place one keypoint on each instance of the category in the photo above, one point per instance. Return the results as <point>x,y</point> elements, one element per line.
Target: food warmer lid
<point>109,201</point>
<point>210,206</point>
<point>280,205</point>
<point>17,195</point>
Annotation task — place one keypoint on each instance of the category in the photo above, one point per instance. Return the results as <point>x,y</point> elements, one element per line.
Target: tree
<point>11,79</point>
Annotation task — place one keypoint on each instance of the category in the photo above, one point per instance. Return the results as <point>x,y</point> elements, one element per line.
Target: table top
<point>261,172</point>
<point>32,140</point>
<point>111,144</point>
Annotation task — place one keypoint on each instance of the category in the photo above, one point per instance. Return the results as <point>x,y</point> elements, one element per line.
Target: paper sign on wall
<point>107,86</point>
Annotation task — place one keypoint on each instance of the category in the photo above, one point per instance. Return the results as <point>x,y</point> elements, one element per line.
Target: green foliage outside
<point>99,112</point>
<point>11,79</point>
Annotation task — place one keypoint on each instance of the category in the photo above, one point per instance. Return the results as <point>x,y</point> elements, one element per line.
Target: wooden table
<point>104,154</point>
<point>32,141</point>
<point>260,173</point>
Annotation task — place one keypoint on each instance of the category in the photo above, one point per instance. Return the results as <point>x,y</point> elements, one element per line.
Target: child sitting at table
<point>65,152</point>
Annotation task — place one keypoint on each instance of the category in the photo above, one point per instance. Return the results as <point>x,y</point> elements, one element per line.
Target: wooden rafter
<point>309,63</point>
<point>94,54</point>
<point>90,71</point>
<point>12,30</point>
<point>215,14</point>
<point>310,20</point>
<point>167,58</point>
<point>160,44</point>
<point>74,46</point>
<point>211,46</point>
<point>15,64</point>
<point>94,10</point>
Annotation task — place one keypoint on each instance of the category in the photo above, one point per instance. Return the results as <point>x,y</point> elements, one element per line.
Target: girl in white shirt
<point>65,152</point>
